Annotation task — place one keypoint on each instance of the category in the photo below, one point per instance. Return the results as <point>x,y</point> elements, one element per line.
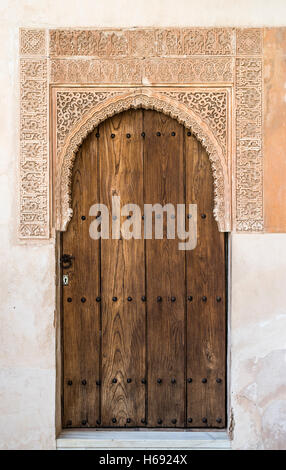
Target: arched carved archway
<point>147,99</point>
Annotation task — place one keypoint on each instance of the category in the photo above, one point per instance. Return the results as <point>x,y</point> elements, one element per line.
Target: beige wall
<point>275,129</point>
<point>257,341</point>
<point>258,295</point>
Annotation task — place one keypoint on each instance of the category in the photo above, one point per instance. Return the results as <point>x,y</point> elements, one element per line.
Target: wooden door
<point>144,323</point>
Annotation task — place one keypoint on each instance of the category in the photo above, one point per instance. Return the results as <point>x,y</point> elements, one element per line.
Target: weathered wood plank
<point>81,320</point>
<point>206,318</point>
<point>123,276</point>
<point>165,274</point>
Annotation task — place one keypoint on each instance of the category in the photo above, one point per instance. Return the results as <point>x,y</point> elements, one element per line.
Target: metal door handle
<point>66,261</point>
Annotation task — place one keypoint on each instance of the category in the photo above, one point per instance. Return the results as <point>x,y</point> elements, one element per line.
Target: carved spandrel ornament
<point>147,99</point>
<point>76,112</point>
<point>208,59</point>
<point>211,106</point>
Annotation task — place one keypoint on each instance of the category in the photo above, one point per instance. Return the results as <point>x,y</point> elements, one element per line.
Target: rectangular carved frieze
<point>249,161</point>
<point>142,42</point>
<point>34,168</point>
<point>143,71</point>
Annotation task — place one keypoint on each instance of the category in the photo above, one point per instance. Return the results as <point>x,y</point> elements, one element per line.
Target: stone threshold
<point>88,439</point>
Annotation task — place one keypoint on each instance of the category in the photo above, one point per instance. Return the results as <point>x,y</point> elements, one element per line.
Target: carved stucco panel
<point>140,71</point>
<point>142,42</point>
<point>71,105</point>
<point>144,57</point>
<point>249,151</point>
<point>147,99</point>
<point>210,104</point>
<point>34,162</point>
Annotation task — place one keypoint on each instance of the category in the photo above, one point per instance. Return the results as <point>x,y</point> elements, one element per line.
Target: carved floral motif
<point>207,58</point>
<point>149,100</point>
<point>142,71</point>
<point>142,42</point>
<point>34,200</point>
<point>33,42</point>
<point>210,105</point>
<point>72,105</point>
<point>249,161</point>
<point>249,41</point>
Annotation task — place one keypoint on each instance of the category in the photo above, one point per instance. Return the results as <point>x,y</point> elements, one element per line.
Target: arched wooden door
<point>144,323</point>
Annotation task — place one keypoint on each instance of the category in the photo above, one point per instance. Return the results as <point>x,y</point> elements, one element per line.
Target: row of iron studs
<point>158,134</point>
<point>144,381</point>
<point>203,216</point>
<point>144,421</point>
<point>144,298</point>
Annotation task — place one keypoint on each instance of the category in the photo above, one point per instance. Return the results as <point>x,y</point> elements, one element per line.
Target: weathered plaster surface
<point>258,346</point>
<point>27,351</point>
<point>275,129</point>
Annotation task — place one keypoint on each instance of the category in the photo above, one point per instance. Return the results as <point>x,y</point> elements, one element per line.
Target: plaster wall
<point>27,280</point>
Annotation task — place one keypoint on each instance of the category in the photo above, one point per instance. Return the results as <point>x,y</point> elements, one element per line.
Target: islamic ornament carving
<point>142,42</point>
<point>33,42</point>
<point>249,161</point>
<point>211,106</point>
<point>143,71</point>
<point>34,165</point>
<point>72,105</point>
<point>183,106</point>
<point>210,60</point>
<point>249,41</point>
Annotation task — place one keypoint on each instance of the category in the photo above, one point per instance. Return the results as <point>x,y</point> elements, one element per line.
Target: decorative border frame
<point>210,79</point>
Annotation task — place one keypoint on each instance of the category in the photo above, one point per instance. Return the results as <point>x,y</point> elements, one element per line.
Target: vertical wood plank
<point>165,273</point>
<point>81,320</point>
<point>206,313</point>
<point>123,322</point>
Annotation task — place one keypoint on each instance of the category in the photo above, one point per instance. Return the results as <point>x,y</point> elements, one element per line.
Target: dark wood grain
<point>206,335</point>
<point>123,276</point>
<point>81,321</point>
<point>165,274</point>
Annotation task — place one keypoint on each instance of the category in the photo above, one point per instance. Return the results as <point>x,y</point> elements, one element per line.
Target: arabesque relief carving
<point>147,42</point>
<point>143,71</point>
<point>216,68</point>
<point>211,106</point>
<point>147,99</point>
<point>34,161</point>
